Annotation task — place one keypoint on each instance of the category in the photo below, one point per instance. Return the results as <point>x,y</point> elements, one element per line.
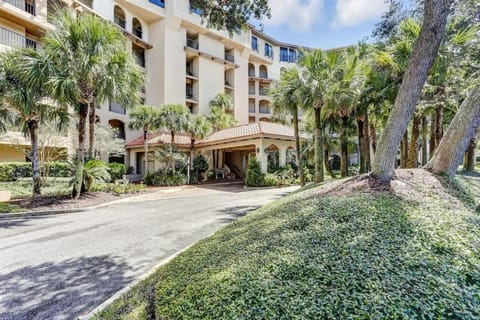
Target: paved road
<point>60,267</point>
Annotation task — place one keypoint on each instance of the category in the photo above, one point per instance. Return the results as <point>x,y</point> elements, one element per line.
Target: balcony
<point>13,39</point>
<point>251,108</point>
<point>116,107</point>
<point>263,91</point>
<point>120,22</point>
<point>251,91</point>
<point>25,5</point>
<point>192,43</point>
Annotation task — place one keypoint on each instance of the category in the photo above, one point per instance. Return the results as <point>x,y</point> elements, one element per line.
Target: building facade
<point>184,62</point>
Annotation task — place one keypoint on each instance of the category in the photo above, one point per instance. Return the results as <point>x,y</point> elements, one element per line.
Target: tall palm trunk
<point>404,150</point>
<point>326,155</point>
<point>318,140</point>
<point>361,144</point>
<point>172,141</point>
<point>298,147</point>
<point>192,155</point>
<point>82,120</point>
<point>458,136</point>
<point>413,149</point>
<point>91,127</point>
<point>421,60</point>
<point>33,130</point>
<point>439,123</point>
<point>366,141</point>
<point>373,137</point>
<point>424,140</point>
<point>433,139</point>
<point>343,148</point>
<point>145,148</point>
<point>469,164</point>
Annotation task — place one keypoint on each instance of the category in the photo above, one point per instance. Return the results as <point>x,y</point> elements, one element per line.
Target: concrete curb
<point>144,276</point>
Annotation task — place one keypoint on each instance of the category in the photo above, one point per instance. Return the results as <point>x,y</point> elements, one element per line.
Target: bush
<point>117,171</point>
<point>255,175</point>
<point>11,171</point>
<point>165,178</point>
<point>95,171</point>
<point>271,180</point>
<point>118,189</point>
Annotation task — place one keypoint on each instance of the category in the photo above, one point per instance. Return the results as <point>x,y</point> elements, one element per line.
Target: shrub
<point>117,171</point>
<point>95,171</point>
<point>255,175</point>
<point>11,171</point>
<point>165,178</point>
<point>271,180</point>
<point>118,189</point>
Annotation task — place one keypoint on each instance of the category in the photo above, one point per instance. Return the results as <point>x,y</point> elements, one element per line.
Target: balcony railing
<point>116,107</point>
<point>265,109</point>
<point>13,39</point>
<point>230,57</point>
<point>263,75</point>
<point>251,91</point>
<point>263,91</point>
<point>251,108</point>
<point>191,43</point>
<point>25,5</point>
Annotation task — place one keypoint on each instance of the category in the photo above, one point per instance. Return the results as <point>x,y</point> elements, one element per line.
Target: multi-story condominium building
<point>184,62</point>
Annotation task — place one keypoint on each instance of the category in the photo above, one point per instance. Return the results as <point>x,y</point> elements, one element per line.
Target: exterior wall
<point>11,154</point>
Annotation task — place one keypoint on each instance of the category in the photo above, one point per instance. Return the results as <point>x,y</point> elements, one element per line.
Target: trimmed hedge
<point>11,171</point>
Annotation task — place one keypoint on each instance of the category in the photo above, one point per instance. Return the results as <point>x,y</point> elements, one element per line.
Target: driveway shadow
<point>60,290</point>
<point>231,214</point>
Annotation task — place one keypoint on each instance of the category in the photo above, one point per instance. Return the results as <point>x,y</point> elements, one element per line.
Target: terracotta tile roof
<point>241,132</point>
<point>160,138</point>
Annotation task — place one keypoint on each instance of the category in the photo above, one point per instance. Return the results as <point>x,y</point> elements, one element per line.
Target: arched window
<point>251,70</point>
<point>119,126</point>
<point>273,156</point>
<point>137,28</point>
<point>263,72</point>
<point>119,17</point>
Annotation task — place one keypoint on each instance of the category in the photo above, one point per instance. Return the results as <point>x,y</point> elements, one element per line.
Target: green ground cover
<point>408,253</point>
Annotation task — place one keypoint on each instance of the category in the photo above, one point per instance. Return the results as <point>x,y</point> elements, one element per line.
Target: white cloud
<point>297,14</point>
<point>354,12</point>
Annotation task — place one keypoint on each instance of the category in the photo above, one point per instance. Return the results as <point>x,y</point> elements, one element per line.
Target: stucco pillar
<point>283,156</point>
<point>262,156</point>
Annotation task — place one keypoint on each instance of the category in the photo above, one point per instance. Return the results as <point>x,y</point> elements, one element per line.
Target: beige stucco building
<point>184,62</point>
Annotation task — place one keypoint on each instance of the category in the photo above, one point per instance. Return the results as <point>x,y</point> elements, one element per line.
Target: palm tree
<point>174,118</point>
<point>220,112</point>
<point>26,106</point>
<point>198,127</point>
<point>83,59</point>
<point>143,117</point>
<point>287,96</point>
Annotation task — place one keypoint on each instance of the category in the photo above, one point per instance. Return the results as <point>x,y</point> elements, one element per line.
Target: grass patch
<point>22,188</point>
<point>9,208</point>
<point>379,255</point>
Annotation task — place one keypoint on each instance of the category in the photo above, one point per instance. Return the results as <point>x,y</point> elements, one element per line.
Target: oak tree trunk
<point>413,148</point>
<point>424,140</point>
<point>298,147</point>
<point>459,134</point>
<point>423,55</point>
<point>318,140</point>
<point>33,130</point>
<point>82,121</point>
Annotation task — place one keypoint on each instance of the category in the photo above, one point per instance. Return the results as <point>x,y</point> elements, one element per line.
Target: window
<point>137,28</point>
<point>268,51</point>
<point>195,10</point>
<point>288,54</point>
<point>254,44</point>
<point>160,3</point>
<point>119,17</point>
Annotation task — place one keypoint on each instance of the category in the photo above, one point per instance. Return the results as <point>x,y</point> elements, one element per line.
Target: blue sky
<point>323,24</point>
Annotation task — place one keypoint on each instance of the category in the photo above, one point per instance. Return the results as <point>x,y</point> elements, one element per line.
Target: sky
<point>323,24</point>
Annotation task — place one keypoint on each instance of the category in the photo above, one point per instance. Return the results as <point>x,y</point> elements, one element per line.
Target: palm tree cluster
<point>365,91</point>
<point>83,62</point>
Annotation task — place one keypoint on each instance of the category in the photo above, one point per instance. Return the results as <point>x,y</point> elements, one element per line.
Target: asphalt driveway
<point>63,266</point>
